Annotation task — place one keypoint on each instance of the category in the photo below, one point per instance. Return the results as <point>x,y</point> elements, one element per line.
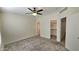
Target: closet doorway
<point>63,31</point>
<point>53,30</point>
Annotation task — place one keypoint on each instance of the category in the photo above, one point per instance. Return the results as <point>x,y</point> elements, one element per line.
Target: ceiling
<point>23,10</point>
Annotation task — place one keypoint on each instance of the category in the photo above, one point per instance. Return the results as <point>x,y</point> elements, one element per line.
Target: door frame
<point>65,19</point>
<point>38,28</point>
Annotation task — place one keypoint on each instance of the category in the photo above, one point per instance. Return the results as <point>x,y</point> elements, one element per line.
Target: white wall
<point>67,13</point>
<point>0,23</point>
<point>44,27</point>
<point>72,32</point>
<point>0,32</point>
<point>58,27</point>
<point>17,27</point>
<point>1,42</point>
<point>45,24</point>
<point>58,16</point>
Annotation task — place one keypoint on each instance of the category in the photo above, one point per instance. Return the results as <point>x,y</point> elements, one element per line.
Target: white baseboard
<point>44,37</point>
<point>20,39</point>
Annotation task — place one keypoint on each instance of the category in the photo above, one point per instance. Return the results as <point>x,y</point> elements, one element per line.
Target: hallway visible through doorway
<point>63,31</point>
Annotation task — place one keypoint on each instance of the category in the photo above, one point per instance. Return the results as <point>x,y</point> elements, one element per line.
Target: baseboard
<point>19,39</point>
<point>44,37</point>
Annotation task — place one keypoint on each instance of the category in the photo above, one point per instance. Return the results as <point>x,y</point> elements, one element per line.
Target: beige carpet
<point>35,44</point>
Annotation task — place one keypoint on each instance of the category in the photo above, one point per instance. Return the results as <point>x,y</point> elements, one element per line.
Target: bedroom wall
<point>17,27</point>
<point>0,32</point>
<point>68,13</point>
<point>45,24</point>
<point>1,41</point>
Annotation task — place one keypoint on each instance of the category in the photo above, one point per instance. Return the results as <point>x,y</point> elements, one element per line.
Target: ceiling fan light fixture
<point>34,14</point>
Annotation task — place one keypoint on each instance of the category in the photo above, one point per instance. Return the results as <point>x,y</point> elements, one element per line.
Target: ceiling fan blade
<point>39,13</point>
<point>40,10</point>
<point>30,9</point>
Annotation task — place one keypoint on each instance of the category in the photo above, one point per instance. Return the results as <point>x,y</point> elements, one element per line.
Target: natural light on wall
<point>0,40</point>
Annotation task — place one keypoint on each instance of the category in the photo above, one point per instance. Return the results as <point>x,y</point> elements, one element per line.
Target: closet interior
<point>53,29</point>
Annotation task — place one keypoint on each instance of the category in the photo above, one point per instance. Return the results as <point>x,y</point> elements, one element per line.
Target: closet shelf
<point>53,28</point>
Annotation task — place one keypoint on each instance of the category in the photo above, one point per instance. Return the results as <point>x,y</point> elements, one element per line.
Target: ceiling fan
<point>35,11</point>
